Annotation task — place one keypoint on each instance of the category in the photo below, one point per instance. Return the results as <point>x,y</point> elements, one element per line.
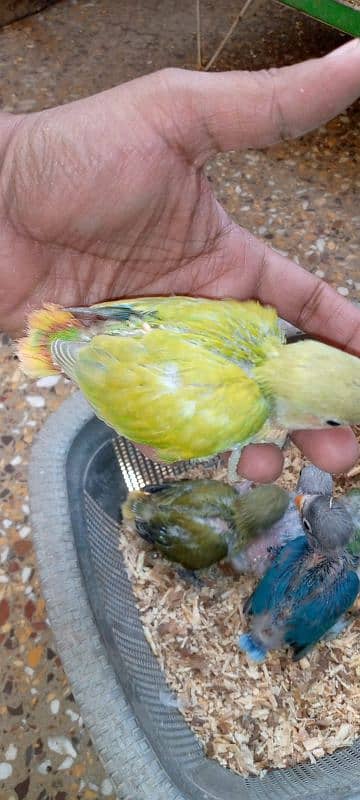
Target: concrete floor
<point>291,195</point>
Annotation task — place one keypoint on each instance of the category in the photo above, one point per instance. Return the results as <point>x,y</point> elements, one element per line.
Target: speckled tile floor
<point>302,197</point>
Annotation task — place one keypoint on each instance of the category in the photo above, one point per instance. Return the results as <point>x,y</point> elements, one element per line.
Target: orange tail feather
<point>44,325</point>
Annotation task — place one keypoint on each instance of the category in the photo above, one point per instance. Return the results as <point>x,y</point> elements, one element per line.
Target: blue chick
<point>310,584</point>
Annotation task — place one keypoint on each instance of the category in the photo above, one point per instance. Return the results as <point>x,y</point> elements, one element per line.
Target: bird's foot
<point>253,649</point>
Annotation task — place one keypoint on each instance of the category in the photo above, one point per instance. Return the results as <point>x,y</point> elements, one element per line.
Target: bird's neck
<point>322,555</point>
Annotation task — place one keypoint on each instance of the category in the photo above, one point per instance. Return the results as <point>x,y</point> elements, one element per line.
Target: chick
<point>197,523</point>
<point>256,557</point>
<point>310,584</point>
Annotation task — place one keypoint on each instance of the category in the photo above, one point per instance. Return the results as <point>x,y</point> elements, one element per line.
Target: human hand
<point>107,197</point>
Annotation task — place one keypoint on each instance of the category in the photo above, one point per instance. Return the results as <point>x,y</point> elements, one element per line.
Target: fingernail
<point>353,44</point>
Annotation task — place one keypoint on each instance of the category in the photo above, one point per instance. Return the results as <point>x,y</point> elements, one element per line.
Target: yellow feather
<point>165,392</point>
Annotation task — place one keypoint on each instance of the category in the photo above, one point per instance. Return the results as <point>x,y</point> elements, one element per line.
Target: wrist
<point>8,123</point>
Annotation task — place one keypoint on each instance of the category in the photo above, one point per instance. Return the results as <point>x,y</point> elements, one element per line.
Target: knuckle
<point>270,80</point>
<point>311,310</point>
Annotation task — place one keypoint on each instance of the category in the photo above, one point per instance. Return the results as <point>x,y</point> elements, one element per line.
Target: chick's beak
<point>299,501</point>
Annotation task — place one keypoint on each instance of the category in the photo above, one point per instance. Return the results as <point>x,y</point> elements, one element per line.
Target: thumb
<point>232,110</point>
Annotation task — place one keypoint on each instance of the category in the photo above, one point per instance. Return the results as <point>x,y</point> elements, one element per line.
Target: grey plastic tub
<point>80,473</point>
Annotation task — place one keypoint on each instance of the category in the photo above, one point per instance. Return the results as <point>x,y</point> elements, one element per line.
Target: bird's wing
<point>204,495</point>
<point>237,331</point>
<point>274,585</point>
<point>182,538</point>
<point>312,618</point>
<point>159,389</point>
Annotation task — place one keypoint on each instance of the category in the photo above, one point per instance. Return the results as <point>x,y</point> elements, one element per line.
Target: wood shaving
<point>249,717</point>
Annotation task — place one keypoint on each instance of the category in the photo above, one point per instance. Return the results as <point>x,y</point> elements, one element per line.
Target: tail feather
<point>35,360</point>
<point>139,515</point>
<point>133,506</point>
<point>44,326</point>
<point>145,530</point>
<point>64,354</point>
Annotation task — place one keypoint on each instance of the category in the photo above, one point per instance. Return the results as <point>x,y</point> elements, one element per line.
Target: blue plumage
<point>253,648</point>
<point>310,584</point>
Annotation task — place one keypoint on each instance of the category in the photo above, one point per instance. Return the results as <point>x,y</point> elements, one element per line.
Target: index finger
<point>308,302</point>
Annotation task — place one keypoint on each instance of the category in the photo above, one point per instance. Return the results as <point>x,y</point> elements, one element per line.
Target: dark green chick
<point>197,523</point>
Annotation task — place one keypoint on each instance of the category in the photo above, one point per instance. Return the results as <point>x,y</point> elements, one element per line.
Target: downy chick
<point>310,584</point>
<point>256,557</point>
<point>197,523</point>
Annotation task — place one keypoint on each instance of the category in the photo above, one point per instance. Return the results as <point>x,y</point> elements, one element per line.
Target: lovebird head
<point>255,512</point>
<point>311,385</point>
<point>313,480</point>
<point>327,523</point>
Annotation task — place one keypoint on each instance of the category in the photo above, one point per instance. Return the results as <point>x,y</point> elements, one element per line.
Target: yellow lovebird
<point>192,377</point>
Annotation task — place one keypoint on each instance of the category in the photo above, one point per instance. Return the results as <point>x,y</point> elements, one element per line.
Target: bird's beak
<point>299,501</point>
<point>302,501</point>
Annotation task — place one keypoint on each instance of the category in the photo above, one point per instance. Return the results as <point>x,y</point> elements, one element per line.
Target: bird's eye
<point>333,423</point>
<point>307,525</point>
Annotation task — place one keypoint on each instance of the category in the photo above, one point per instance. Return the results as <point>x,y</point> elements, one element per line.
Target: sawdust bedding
<point>249,717</point>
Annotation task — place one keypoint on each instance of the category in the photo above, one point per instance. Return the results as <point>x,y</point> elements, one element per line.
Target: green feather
<point>256,511</point>
<point>198,523</point>
<point>187,521</point>
<point>160,390</point>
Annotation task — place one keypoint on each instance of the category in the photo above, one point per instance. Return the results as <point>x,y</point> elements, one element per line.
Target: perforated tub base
<point>79,475</point>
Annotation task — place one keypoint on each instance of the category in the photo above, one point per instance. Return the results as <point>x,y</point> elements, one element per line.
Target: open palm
<point>107,197</point>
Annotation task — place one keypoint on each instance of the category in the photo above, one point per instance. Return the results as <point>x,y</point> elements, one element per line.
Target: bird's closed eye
<point>307,525</point>
<point>333,423</point>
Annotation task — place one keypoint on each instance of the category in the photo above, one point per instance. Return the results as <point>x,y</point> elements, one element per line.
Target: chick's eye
<point>333,423</point>
<point>307,525</point>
